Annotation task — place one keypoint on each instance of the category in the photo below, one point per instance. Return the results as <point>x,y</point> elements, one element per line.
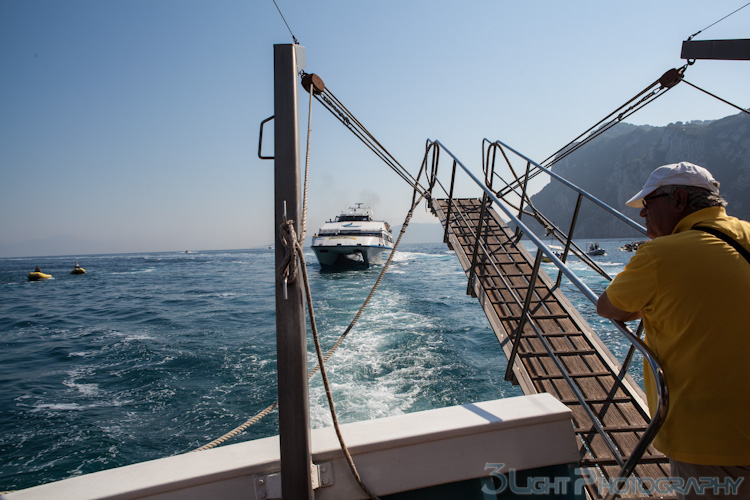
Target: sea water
<point>155,354</point>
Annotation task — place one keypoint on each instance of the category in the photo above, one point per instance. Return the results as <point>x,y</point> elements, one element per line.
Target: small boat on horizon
<point>353,238</point>
<point>632,247</point>
<point>38,276</point>
<point>595,249</point>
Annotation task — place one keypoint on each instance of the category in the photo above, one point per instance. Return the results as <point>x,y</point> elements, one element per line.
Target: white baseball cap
<point>675,174</point>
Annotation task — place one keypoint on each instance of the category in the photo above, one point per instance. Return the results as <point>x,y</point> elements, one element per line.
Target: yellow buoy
<point>37,276</point>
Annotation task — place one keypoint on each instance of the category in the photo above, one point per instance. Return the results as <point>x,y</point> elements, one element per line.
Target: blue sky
<point>133,125</point>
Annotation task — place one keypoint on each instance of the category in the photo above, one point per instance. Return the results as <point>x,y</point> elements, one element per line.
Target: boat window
<point>351,233</point>
<point>350,218</point>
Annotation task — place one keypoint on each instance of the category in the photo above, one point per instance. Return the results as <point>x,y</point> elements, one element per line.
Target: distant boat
<point>547,259</point>
<point>632,247</point>
<point>557,251</point>
<point>38,276</point>
<point>353,238</point>
<point>595,249</point>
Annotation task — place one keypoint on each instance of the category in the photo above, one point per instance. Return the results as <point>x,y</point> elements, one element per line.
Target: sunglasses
<point>648,199</point>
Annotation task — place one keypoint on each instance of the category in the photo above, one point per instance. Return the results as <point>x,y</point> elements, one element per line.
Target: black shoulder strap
<point>726,238</point>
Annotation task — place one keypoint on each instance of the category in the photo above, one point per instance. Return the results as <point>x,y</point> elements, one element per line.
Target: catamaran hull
<point>341,255</point>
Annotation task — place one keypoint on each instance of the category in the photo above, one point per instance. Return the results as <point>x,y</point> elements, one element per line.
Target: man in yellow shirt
<point>692,289</point>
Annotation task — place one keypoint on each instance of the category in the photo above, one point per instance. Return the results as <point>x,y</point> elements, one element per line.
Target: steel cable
<point>337,109</point>
<point>667,81</point>
<point>717,97</point>
<point>717,22</point>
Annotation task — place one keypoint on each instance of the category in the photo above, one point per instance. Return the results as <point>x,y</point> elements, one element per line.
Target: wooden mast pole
<point>291,345</point>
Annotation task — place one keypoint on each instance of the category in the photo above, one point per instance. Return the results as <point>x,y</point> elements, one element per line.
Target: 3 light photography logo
<point>520,483</point>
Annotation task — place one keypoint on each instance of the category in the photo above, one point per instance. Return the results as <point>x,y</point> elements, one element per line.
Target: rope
<point>289,271</point>
<point>372,292</point>
<point>307,169</point>
<point>298,252</point>
<point>216,442</point>
<point>326,384</point>
<point>332,350</point>
<point>316,337</point>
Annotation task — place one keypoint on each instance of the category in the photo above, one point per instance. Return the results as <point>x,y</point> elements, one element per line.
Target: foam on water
<point>149,355</point>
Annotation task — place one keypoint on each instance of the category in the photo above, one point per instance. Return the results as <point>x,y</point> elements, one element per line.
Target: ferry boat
<point>353,238</point>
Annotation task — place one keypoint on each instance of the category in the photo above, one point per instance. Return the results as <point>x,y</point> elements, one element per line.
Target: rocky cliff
<point>615,166</point>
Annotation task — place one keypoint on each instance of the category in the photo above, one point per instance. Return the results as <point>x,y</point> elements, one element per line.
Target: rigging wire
<point>667,81</point>
<point>653,91</point>
<point>717,97</point>
<point>543,220</point>
<point>717,22</point>
<point>332,104</point>
<point>337,109</point>
<point>287,24</point>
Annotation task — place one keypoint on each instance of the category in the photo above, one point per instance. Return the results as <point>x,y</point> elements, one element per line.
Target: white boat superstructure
<point>353,238</point>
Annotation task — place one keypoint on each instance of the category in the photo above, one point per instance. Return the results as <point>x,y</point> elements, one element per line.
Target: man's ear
<point>680,200</point>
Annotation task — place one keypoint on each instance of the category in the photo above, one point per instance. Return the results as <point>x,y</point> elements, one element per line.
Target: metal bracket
<point>260,139</point>
<point>268,486</point>
<point>322,475</point>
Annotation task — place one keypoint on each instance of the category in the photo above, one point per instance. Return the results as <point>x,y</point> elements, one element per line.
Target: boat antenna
<point>287,24</point>
<point>716,22</point>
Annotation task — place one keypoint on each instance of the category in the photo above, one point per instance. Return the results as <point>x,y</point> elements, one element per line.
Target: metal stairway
<point>551,349</point>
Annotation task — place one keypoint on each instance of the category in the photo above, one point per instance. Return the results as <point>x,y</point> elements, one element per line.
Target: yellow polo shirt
<point>694,291</point>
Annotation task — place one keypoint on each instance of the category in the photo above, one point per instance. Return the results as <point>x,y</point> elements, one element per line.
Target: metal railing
<point>488,197</point>
<point>490,174</point>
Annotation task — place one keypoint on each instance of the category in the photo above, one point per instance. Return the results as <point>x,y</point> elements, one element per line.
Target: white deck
<point>393,454</point>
